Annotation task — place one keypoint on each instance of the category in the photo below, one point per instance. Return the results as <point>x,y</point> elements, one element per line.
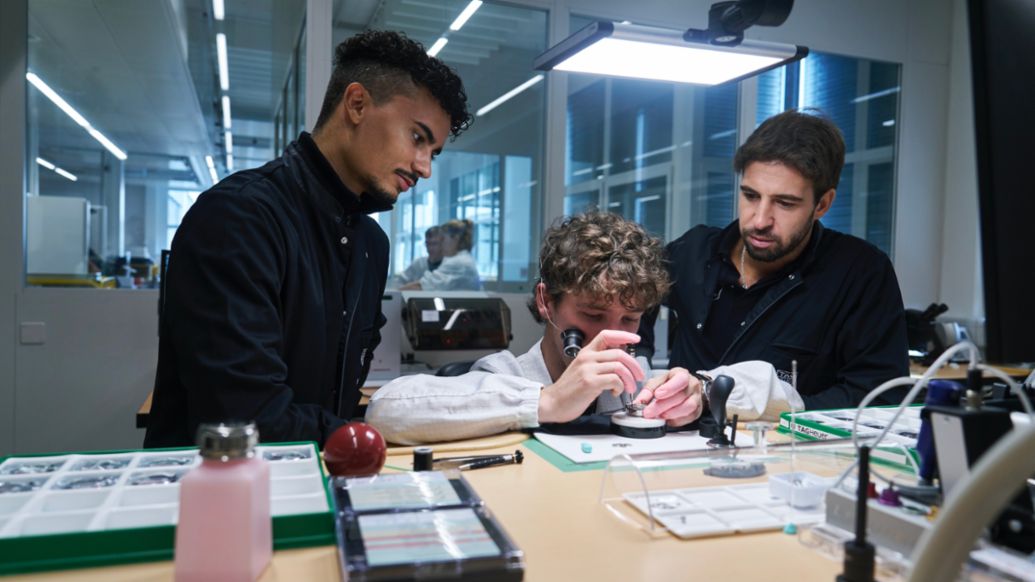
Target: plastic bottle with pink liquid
<point>225,530</point>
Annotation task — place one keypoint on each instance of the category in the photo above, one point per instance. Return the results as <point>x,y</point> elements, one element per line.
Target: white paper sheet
<point>602,447</point>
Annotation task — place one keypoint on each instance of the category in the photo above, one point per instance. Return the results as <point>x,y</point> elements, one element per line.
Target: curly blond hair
<point>603,255</point>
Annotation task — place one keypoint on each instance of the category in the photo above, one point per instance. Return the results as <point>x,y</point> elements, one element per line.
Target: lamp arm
<point>992,483</point>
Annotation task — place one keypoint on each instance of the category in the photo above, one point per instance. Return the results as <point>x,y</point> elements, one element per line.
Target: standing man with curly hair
<point>273,292</point>
<point>598,273</point>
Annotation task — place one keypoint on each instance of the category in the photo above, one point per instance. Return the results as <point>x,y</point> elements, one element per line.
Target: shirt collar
<point>348,201</point>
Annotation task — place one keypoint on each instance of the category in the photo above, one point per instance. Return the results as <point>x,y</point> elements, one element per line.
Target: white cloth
<point>414,272</point>
<point>758,394</point>
<point>456,273</point>
<point>500,393</point>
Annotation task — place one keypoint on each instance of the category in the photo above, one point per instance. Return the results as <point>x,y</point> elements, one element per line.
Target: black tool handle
<point>719,391</point>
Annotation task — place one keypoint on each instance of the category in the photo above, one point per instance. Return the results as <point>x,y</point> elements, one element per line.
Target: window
<point>861,96</point>
<point>491,173</point>
<point>128,121</point>
<point>662,154</point>
<point>645,148</point>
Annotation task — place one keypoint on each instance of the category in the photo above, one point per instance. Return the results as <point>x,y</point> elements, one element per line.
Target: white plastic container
<point>225,530</point>
<point>799,489</point>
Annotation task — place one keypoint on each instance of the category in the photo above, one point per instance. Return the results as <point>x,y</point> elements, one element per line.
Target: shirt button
<point>791,277</point>
<point>700,326</point>
<point>344,240</point>
<point>742,323</point>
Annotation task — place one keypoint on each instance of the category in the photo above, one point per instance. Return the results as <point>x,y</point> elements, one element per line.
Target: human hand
<point>674,396</point>
<point>600,366</point>
<point>411,286</point>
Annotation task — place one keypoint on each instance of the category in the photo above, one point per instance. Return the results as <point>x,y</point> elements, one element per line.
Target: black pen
<point>493,460</point>
<point>453,462</point>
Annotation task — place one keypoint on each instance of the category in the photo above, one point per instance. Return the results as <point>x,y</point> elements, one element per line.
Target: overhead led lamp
<point>223,64</point>
<point>508,95</point>
<point>226,112</point>
<point>211,169</point>
<point>66,174</point>
<point>718,54</point>
<point>465,15</point>
<point>75,115</point>
<point>57,170</point>
<point>438,46</point>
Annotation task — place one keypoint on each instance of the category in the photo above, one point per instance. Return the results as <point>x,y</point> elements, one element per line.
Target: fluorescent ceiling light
<point>56,169</point>
<point>226,112</point>
<point>876,95</point>
<point>66,174</point>
<point>228,141</point>
<point>662,54</point>
<point>218,11</point>
<point>75,115</point>
<point>224,67</point>
<point>466,15</point>
<point>435,48</point>
<point>508,95</point>
<point>114,149</point>
<point>211,169</point>
<point>56,99</point>
<point>229,162</point>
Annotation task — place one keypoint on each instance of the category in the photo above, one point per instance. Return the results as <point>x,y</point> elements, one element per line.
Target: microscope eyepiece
<point>571,340</point>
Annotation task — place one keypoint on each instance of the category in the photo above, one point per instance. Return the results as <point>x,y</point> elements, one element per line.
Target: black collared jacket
<point>838,313</point>
<point>273,304</point>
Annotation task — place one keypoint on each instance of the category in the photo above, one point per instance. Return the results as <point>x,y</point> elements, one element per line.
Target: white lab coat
<point>414,272</point>
<point>456,273</point>
<point>500,393</point>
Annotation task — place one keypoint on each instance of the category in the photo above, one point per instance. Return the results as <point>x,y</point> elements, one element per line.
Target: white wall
<point>81,388</point>
<point>960,284</point>
<point>12,204</point>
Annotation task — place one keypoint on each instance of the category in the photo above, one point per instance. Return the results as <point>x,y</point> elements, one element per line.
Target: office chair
<point>454,369</point>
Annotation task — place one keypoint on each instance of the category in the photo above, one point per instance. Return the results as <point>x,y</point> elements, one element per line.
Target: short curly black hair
<point>388,63</point>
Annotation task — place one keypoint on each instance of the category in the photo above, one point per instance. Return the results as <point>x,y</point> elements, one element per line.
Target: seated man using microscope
<point>598,274</point>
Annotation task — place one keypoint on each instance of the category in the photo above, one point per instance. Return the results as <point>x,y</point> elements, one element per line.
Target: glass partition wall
<point>126,129</point>
<point>491,174</point>
<point>133,110</point>
<point>662,153</point>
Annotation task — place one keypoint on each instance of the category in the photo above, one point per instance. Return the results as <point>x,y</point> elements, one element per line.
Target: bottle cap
<point>224,442</point>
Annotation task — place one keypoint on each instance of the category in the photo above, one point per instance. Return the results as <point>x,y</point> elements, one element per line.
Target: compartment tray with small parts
<point>74,510</point>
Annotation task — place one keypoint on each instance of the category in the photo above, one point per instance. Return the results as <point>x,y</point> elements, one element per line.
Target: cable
<point>918,385</point>
<point>992,483</point>
<point>1014,387</point>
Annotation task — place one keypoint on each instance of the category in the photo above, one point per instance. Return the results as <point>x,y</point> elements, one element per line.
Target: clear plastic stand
<point>723,491</point>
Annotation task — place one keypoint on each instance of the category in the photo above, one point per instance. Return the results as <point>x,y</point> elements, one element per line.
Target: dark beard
<point>378,195</point>
<point>777,251</point>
